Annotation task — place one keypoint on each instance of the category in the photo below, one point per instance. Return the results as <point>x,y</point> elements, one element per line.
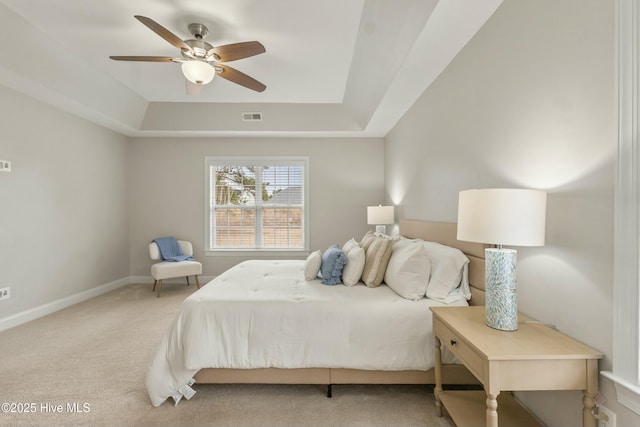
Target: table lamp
<point>501,216</point>
<point>379,215</point>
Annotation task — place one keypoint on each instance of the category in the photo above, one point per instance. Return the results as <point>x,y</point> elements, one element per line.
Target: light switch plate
<point>5,166</point>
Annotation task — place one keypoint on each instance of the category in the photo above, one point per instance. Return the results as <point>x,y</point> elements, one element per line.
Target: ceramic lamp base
<point>382,229</point>
<point>501,302</point>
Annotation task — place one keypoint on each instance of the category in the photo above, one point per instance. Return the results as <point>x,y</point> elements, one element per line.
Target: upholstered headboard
<point>445,233</point>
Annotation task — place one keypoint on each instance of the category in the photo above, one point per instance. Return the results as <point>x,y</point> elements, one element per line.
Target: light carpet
<point>85,366</point>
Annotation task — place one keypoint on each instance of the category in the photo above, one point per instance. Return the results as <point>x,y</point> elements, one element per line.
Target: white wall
<point>529,102</point>
<point>167,189</point>
<point>63,217</point>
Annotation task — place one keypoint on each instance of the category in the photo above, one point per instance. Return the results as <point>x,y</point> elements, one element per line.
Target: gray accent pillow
<point>333,261</point>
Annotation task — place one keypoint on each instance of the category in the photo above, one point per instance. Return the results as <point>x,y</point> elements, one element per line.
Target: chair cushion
<point>168,270</point>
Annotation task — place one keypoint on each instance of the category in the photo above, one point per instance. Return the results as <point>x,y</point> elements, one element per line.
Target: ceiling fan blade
<point>238,77</point>
<point>192,88</point>
<point>146,58</point>
<point>164,33</point>
<point>234,51</point>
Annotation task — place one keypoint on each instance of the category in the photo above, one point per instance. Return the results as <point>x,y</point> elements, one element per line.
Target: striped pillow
<point>376,259</point>
<point>367,239</point>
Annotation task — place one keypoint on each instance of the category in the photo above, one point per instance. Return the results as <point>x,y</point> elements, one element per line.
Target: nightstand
<point>535,357</point>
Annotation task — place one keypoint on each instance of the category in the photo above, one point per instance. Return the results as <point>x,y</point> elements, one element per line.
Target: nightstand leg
<point>588,404</point>
<point>588,395</point>
<point>438,372</point>
<point>492,410</point>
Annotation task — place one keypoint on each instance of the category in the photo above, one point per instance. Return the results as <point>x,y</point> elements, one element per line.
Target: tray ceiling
<point>334,67</point>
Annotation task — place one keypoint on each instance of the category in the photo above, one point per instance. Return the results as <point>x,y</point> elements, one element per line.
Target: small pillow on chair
<point>312,265</point>
<point>333,261</point>
<point>170,249</point>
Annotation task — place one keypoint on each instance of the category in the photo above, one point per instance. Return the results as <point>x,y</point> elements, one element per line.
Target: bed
<point>374,335</point>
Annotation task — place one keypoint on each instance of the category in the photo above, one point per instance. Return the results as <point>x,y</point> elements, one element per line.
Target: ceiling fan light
<point>198,72</point>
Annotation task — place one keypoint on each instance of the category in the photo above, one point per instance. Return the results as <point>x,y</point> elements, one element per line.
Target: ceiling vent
<point>251,117</point>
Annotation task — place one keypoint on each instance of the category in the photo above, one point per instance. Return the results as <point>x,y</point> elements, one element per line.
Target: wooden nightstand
<point>535,357</point>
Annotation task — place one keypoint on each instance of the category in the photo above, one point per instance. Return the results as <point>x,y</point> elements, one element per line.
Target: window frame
<point>255,161</point>
<point>626,293</point>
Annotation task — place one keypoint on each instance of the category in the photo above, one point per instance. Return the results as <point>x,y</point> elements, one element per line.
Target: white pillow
<point>462,292</point>
<point>312,265</point>
<point>355,264</point>
<point>408,270</point>
<point>448,267</point>
<point>349,245</point>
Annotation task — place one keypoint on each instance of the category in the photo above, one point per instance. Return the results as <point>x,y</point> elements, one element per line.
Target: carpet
<point>85,366</point>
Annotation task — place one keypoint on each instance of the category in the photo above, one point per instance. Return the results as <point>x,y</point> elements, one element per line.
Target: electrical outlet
<point>5,166</point>
<point>611,422</point>
<point>5,293</point>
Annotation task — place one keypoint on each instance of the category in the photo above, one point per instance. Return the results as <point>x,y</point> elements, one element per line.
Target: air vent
<point>252,117</point>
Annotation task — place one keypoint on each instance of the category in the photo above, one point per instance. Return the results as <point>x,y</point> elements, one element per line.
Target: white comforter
<point>263,314</point>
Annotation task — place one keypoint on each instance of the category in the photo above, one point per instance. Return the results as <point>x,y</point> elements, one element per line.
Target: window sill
<point>628,394</point>
<point>253,253</point>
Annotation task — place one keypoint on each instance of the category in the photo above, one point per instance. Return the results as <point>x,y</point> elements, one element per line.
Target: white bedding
<point>263,314</point>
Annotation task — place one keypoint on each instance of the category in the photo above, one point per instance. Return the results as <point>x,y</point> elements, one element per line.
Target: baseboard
<point>37,312</point>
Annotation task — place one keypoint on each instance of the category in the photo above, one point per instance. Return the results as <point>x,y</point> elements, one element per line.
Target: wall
<point>63,222</point>
<point>529,102</point>
<point>167,197</point>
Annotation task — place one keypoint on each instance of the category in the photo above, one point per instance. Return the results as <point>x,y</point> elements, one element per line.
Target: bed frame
<point>441,232</point>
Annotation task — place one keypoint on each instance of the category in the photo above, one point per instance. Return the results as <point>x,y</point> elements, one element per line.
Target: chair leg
<point>187,280</point>
<point>154,286</point>
<point>197,281</point>
<point>159,287</point>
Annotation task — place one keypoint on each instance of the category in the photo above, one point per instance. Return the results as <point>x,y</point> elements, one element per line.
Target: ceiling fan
<point>200,60</point>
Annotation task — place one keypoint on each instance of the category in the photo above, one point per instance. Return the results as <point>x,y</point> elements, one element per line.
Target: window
<point>256,204</point>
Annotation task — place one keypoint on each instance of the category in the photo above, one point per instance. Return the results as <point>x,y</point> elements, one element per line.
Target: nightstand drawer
<point>460,349</point>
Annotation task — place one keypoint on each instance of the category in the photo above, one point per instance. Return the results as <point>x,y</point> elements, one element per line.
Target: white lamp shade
<point>380,215</point>
<point>502,216</point>
<point>198,72</point>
